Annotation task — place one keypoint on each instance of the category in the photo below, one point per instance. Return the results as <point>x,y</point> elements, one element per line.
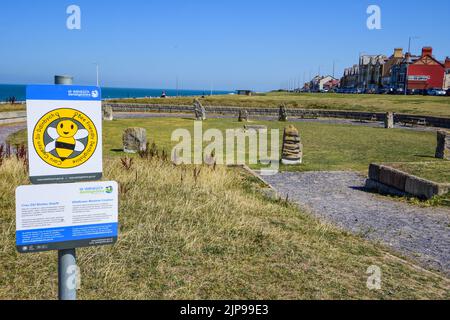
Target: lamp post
<point>408,60</point>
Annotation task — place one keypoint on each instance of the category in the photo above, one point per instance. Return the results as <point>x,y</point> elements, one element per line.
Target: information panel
<point>66,216</point>
<point>64,133</point>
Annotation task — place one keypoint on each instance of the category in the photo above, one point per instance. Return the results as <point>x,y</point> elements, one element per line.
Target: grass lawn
<point>437,171</point>
<point>418,105</point>
<point>326,147</point>
<point>215,237</point>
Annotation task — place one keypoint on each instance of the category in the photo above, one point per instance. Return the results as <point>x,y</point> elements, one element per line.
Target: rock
<point>107,113</point>
<point>199,110</point>
<point>292,152</point>
<point>243,116</point>
<point>389,120</point>
<point>443,145</point>
<point>282,115</point>
<point>134,140</point>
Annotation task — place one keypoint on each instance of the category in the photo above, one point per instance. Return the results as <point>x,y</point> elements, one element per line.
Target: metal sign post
<point>67,206</point>
<point>67,259</point>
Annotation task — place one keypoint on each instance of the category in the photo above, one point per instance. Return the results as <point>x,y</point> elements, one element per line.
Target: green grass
<point>215,237</point>
<point>437,171</point>
<point>417,105</point>
<point>326,147</point>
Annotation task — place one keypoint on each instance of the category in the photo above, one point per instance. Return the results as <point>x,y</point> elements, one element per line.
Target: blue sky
<point>227,44</point>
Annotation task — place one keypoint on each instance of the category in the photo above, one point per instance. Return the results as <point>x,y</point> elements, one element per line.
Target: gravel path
<point>422,234</point>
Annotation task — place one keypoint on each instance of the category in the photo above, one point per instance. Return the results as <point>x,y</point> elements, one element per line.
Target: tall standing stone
<point>243,116</point>
<point>443,145</point>
<point>389,120</point>
<point>107,113</point>
<point>282,114</point>
<point>199,110</point>
<point>292,152</point>
<point>134,140</point>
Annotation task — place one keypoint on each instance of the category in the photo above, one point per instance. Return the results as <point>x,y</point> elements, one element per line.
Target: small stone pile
<point>292,152</point>
<point>134,140</point>
<point>443,145</point>
<point>282,114</point>
<point>107,113</point>
<point>243,116</point>
<point>199,110</point>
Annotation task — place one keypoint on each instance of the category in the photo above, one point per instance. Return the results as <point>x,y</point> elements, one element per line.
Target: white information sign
<point>66,216</point>
<point>64,133</point>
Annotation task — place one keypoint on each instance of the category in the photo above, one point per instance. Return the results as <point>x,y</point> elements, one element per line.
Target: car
<point>436,92</point>
<point>382,90</point>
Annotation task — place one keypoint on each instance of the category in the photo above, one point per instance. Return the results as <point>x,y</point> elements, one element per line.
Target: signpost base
<point>67,274</point>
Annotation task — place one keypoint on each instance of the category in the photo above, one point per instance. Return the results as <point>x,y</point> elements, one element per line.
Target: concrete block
<point>374,171</point>
<point>393,178</point>
<point>421,188</point>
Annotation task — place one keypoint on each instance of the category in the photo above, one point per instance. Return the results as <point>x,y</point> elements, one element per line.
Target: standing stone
<point>282,114</point>
<point>389,120</point>
<point>134,140</point>
<point>107,113</point>
<point>443,145</point>
<point>243,116</point>
<point>199,110</point>
<point>292,152</point>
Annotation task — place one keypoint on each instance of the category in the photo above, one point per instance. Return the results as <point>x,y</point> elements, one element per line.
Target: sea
<point>19,92</point>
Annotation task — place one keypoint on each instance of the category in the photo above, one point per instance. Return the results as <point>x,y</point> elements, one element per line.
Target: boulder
<point>389,120</point>
<point>199,110</point>
<point>243,116</point>
<point>134,140</point>
<point>107,113</point>
<point>443,145</point>
<point>282,114</point>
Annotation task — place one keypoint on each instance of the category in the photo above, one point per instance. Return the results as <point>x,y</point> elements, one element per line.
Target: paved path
<point>422,234</point>
<point>6,130</point>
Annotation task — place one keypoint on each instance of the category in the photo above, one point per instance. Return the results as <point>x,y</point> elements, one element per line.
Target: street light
<point>407,63</point>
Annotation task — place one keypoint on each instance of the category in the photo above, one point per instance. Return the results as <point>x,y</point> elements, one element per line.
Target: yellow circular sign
<point>65,138</point>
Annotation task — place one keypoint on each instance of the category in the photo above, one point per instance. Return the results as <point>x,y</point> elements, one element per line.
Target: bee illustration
<point>65,139</point>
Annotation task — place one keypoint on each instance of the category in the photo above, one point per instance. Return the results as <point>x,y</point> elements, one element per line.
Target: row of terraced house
<point>379,73</point>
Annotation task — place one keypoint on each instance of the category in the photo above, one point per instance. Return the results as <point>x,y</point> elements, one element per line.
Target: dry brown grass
<point>12,107</point>
<point>210,237</point>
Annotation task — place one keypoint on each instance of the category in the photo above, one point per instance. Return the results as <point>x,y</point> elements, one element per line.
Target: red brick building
<point>425,72</point>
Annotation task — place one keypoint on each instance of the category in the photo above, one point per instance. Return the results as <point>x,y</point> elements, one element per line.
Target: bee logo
<point>65,138</point>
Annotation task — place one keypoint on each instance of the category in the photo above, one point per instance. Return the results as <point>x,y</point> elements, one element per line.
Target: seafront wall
<point>13,117</point>
<point>440,122</point>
